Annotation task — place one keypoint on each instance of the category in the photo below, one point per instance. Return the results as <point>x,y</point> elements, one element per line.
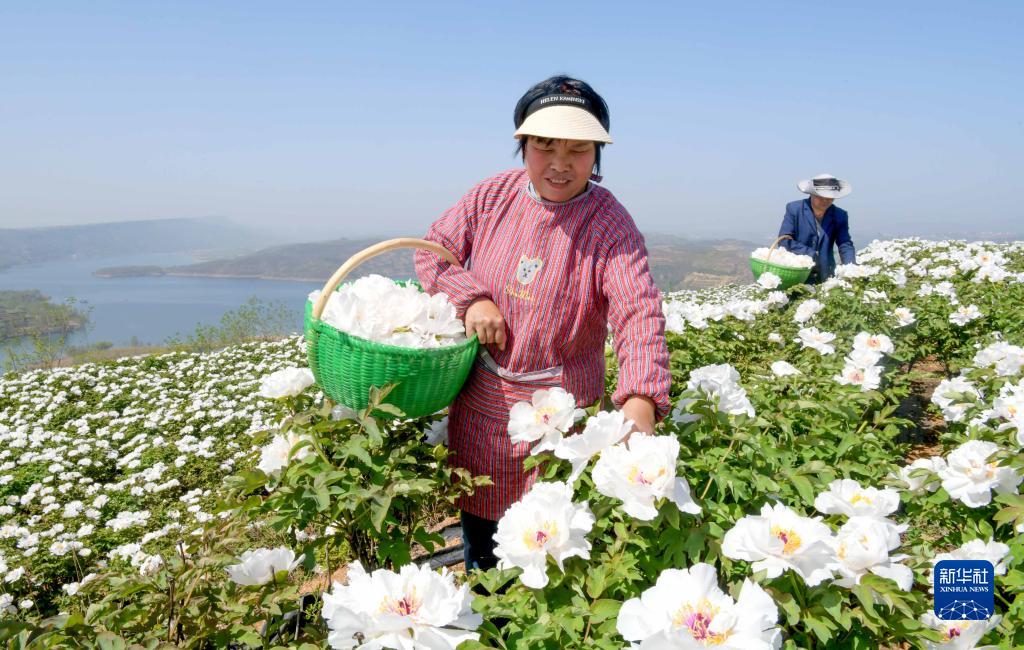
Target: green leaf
<point>867,601</point>
<point>803,487</point>
<point>379,510</point>
<point>390,409</point>
<point>373,432</point>
<point>789,606</point>
<point>110,641</point>
<point>596,577</point>
<point>820,629</point>
<point>604,609</point>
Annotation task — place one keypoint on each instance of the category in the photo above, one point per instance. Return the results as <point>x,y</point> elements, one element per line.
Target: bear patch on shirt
<point>528,268</point>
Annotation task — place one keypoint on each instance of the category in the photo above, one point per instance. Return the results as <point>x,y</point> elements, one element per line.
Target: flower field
<point>826,448</point>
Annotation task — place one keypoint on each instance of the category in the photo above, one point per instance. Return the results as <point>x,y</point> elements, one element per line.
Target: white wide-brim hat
<point>826,186</point>
<point>563,122</point>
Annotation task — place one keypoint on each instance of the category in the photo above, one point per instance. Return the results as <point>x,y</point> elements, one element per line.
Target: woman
<point>815,224</point>
<point>551,259</point>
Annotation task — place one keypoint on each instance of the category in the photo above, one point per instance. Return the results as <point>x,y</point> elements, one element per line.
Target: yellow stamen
<point>790,539</point>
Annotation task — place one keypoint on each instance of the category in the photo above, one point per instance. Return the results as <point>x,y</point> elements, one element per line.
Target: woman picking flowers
<point>551,260</point>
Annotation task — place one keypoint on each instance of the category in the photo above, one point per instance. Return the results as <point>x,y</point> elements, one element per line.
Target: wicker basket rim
<point>783,266</point>
<point>320,326</point>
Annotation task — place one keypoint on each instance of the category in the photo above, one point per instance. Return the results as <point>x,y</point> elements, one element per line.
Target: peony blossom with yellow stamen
<point>640,473</point>
<point>545,522</point>
<point>687,609</point>
<point>414,608</point>
<point>970,474</point>
<point>549,414</point>
<point>780,540</point>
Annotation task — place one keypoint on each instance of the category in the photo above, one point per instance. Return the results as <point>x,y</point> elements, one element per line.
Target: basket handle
<point>374,251</point>
<point>772,249</point>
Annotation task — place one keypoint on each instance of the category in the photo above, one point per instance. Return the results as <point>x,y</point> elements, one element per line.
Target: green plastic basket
<point>346,367</point>
<point>790,275</point>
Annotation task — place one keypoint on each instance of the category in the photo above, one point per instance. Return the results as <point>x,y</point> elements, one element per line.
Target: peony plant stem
<point>712,477</point>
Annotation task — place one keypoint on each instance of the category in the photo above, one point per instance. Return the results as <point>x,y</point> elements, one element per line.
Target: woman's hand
<point>484,320</point>
<point>640,410</point>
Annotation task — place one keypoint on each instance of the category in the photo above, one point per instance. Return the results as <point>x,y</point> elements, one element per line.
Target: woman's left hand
<point>640,410</point>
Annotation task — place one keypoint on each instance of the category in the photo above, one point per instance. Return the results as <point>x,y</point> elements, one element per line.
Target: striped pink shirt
<point>560,273</point>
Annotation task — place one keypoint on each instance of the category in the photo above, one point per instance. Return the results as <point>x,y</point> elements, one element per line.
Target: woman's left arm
<point>638,333</point>
<point>847,251</point>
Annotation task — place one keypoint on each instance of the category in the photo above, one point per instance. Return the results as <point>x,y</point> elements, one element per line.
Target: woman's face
<point>559,169</point>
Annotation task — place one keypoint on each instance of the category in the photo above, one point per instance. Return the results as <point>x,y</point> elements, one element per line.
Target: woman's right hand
<point>485,320</point>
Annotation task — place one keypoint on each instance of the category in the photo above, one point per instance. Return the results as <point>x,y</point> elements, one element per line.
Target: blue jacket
<point>799,223</point>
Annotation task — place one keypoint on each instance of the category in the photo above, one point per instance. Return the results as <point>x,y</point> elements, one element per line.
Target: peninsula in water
<point>25,313</point>
<point>676,263</point>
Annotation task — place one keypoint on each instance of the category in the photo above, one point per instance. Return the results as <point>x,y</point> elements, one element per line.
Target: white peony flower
<point>849,271</point>
<point>866,378</point>
<point>1007,359</point>
<point>779,539</point>
<point>768,280</point>
<point>150,565</point>
<point>958,635</point>
<point>14,575</point>
<point>687,609</point>
<point>811,337</point>
<point>275,456</point>
<point>954,396</point>
<point>833,283</point>
<point>602,431</point>
<point>970,477</point>
<point>286,383</point>
<point>782,368</point>
<point>872,296</point>
<point>863,358</point>
<point>642,471</point>
<point>806,310</point>
<point>544,522</point>
<point>847,497</point>
<point>964,315</point>
<point>783,257</point>
<point>549,414</point>
<point>976,549</point>
<point>378,309</point>
<point>776,299</point>
<point>904,316</point>
<point>720,384</point>
<point>414,608</point>
<point>877,343</point>
<point>918,484</point>
<point>1010,407</point>
<point>862,545</point>
<point>259,566</point>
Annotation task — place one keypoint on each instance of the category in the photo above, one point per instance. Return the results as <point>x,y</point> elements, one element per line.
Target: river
<point>146,309</point>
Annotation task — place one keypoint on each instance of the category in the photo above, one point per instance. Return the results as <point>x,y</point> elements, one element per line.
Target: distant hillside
<point>676,263</point>
<point>32,245</point>
<point>315,261</point>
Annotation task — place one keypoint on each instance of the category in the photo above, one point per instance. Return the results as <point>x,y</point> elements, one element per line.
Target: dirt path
<point>923,437</point>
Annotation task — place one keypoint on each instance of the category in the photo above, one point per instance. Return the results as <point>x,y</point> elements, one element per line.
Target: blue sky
<point>334,119</point>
